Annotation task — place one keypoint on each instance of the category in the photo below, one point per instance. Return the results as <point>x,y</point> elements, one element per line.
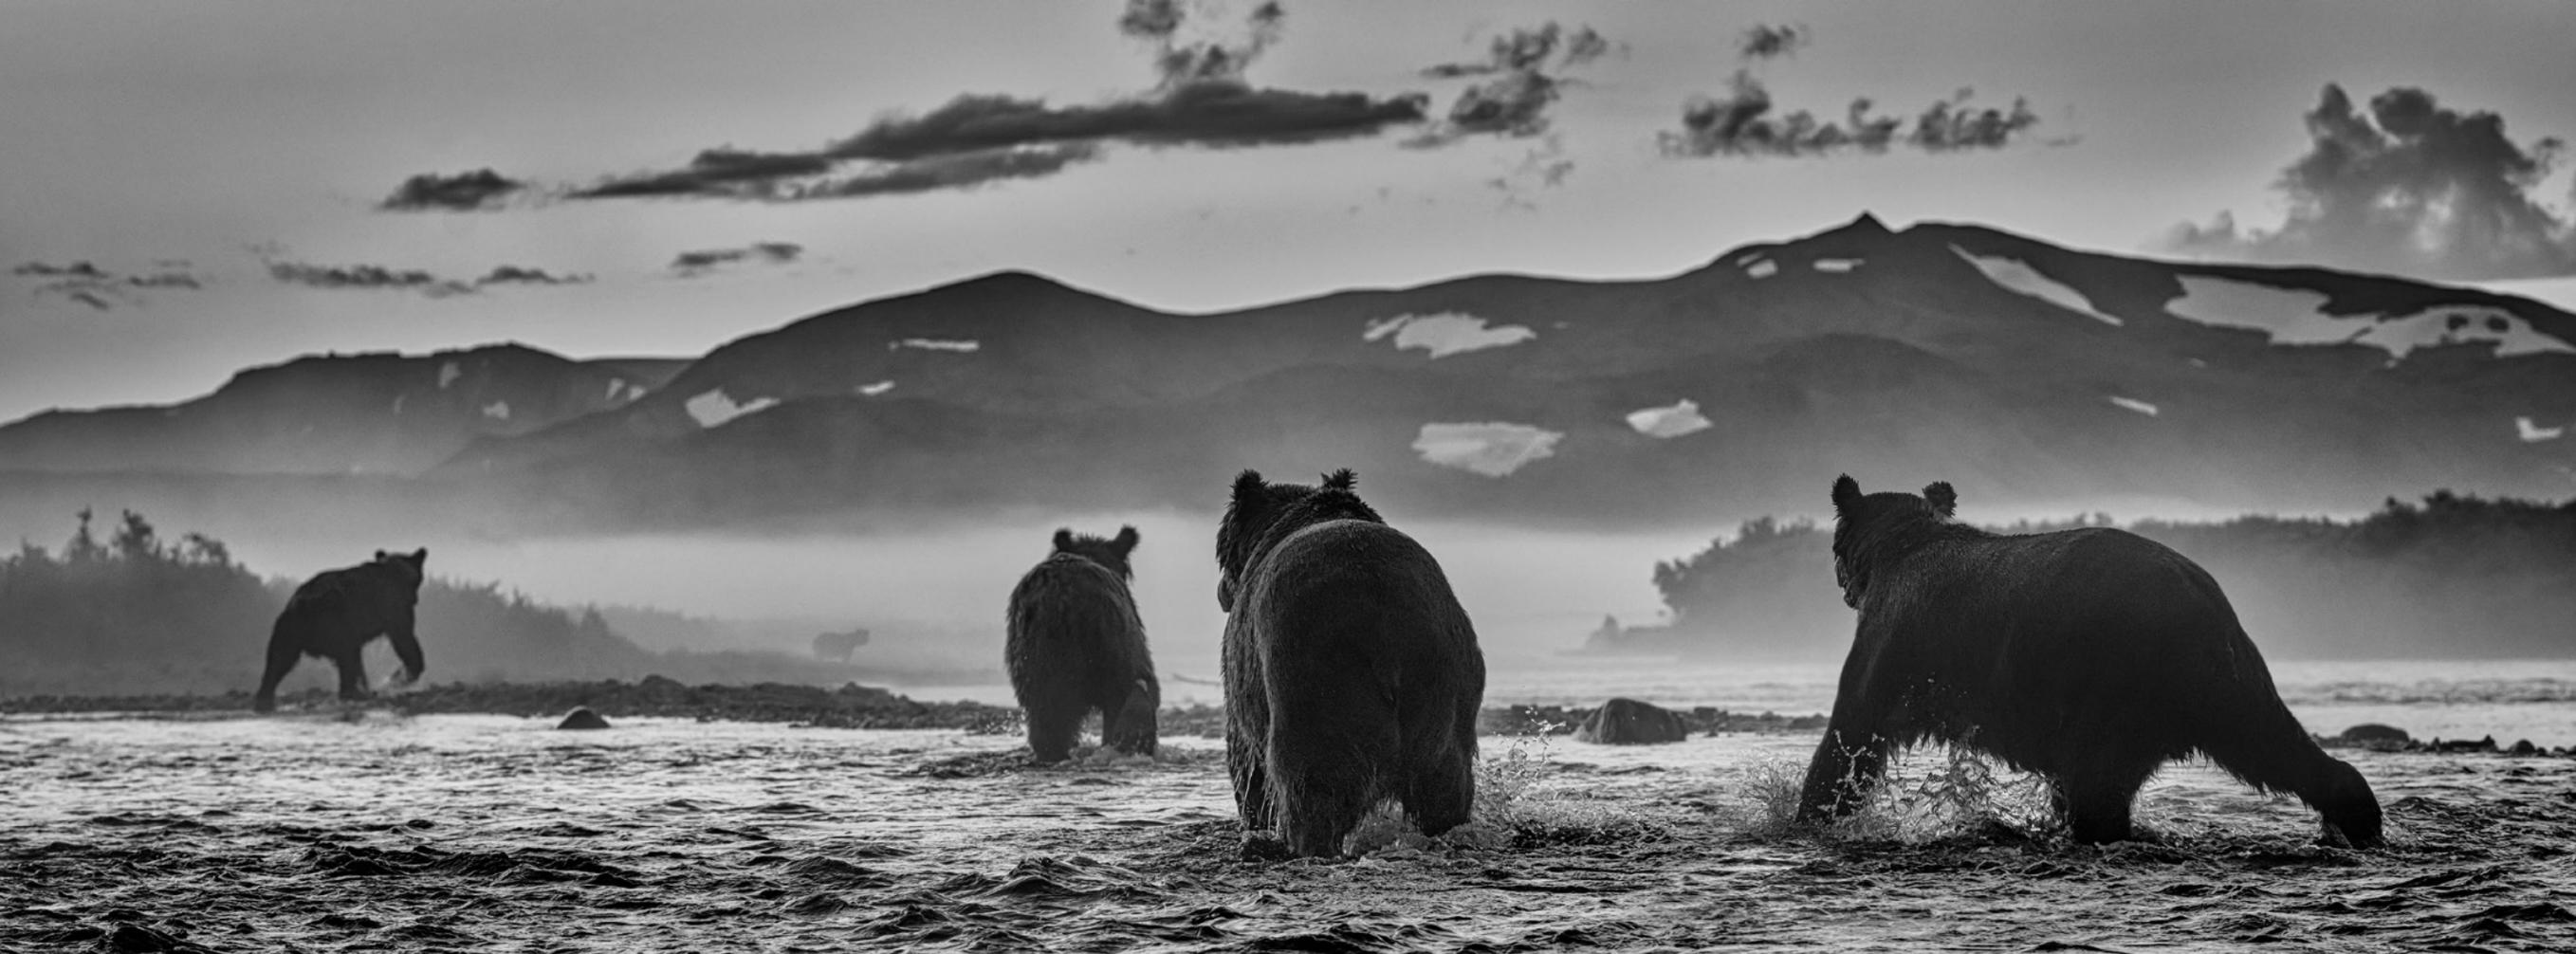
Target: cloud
<point>379,277</point>
<point>1741,123</point>
<point>521,275</point>
<point>1200,99</point>
<point>962,170</point>
<point>463,192</point>
<point>1764,41</point>
<point>101,289</point>
<point>365,277</point>
<point>691,264</point>
<point>1221,54</point>
<point>2410,187</point>
<point>1527,68</point>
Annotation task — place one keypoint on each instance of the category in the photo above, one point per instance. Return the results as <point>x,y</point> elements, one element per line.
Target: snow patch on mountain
<point>714,407</point>
<point>872,390</point>
<point>1445,333</point>
<point>1673,420</point>
<point>1837,265</point>
<point>2134,404</point>
<point>2294,316</point>
<point>497,410</point>
<point>448,373</point>
<point>961,346</point>
<point>1763,269</point>
<point>398,402</point>
<point>615,385</point>
<point>2016,275</point>
<point>2532,433</point>
<point>1493,448</point>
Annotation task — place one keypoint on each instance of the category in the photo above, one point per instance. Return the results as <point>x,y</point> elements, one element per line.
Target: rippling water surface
<point>360,830</point>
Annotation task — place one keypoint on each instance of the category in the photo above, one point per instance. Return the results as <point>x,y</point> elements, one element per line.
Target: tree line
<point>2448,576</point>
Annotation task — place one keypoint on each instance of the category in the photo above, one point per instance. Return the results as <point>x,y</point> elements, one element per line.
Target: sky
<point>190,189</point>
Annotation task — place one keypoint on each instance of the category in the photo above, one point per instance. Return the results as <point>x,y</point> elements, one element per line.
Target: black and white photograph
<point>1464,476</point>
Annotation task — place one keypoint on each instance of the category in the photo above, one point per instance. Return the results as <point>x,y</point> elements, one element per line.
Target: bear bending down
<point>1351,673</point>
<point>336,613</point>
<point>2089,657</point>
<point>1076,644</point>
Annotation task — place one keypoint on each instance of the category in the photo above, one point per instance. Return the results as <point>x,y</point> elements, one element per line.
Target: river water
<point>358,829</point>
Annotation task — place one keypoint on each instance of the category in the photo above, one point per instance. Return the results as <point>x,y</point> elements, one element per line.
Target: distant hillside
<point>376,413</point>
<point>2047,376</point>
<point>2457,577</point>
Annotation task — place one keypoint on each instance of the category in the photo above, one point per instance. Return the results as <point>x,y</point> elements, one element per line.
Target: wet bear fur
<point>1076,644</point>
<point>336,613</point>
<point>2089,657</point>
<point>1352,675</point>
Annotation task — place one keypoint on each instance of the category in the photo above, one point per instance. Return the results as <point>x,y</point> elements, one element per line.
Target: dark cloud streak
<point>2410,187</point>
<point>1765,41</point>
<point>383,278</point>
<point>86,283</point>
<point>1528,68</point>
<point>692,264</point>
<point>465,192</point>
<point>1741,123</point>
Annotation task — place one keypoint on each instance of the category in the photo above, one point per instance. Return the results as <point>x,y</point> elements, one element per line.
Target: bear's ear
<point>1944,500</point>
<point>1126,540</point>
<point>1063,539</point>
<point>382,555</point>
<point>1342,479</point>
<point>1248,486</point>
<point>1846,495</point>
<point>420,556</point>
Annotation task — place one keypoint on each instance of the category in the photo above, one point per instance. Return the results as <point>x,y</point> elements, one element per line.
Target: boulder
<point>582,718</point>
<point>2372,733</point>
<point>1630,722</point>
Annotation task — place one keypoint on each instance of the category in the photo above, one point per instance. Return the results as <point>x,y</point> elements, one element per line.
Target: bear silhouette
<point>336,613</point>
<point>1076,644</point>
<point>1352,675</point>
<point>2089,657</point>
<point>838,647</point>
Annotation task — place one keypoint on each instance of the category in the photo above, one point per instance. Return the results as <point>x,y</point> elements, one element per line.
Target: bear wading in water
<point>2089,657</point>
<point>1076,644</point>
<point>336,613</point>
<point>1352,675</point>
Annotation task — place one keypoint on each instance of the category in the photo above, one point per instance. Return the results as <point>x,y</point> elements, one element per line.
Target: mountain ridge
<point>1940,351</point>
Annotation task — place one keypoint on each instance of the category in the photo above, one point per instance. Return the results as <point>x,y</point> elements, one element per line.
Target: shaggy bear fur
<point>336,613</point>
<point>2089,657</point>
<point>1352,675</point>
<point>1076,644</point>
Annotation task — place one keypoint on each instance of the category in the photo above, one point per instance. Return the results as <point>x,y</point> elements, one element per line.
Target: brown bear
<point>2089,657</point>
<point>336,613</point>
<point>1352,675</point>
<point>1076,644</point>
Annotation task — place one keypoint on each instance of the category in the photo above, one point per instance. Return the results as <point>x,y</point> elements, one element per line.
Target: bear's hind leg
<point>2096,801</point>
<point>1243,754</point>
<point>353,674</point>
<point>1054,727</point>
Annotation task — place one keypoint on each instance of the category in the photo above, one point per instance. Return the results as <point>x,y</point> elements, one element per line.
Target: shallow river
<point>360,830</point>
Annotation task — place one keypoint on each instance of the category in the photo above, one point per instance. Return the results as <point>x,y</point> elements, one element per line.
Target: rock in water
<point>582,718</point>
<point>2369,732</point>
<point>1626,721</point>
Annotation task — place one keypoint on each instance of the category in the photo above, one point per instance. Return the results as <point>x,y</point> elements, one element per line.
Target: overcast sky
<point>187,189</point>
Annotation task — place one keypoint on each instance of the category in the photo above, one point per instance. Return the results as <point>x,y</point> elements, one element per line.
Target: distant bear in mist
<point>1076,644</point>
<point>1352,675</point>
<point>837,647</point>
<point>2089,657</point>
<point>336,613</point>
